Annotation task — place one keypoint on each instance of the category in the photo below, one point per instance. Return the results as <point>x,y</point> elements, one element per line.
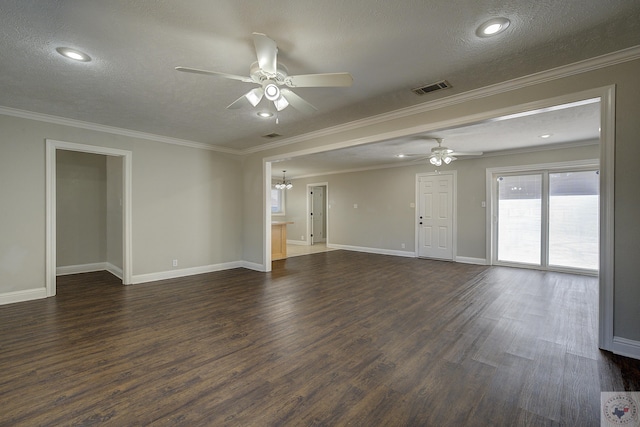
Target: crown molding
<point>112,130</point>
<point>580,67</point>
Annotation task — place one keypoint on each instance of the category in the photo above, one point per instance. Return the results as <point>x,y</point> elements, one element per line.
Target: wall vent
<point>271,135</point>
<point>432,87</point>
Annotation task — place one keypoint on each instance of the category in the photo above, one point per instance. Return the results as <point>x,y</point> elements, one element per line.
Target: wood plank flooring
<point>330,339</point>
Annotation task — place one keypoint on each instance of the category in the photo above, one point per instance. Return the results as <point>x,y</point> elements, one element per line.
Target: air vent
<point>432,87</point>
<point>271,135</point>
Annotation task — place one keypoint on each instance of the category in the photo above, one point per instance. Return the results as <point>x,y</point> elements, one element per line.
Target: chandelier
<point>284,184</point>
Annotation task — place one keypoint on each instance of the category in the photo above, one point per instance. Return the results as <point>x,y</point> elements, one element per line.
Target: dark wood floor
<point>332,339</point>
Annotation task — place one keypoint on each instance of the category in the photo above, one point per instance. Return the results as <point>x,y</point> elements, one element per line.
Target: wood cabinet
<point>279,239</point>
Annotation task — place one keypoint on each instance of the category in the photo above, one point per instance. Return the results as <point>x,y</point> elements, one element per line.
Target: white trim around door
<point>50,262</point>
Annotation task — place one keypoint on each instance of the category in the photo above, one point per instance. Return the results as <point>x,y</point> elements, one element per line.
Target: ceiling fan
<point>440,154</point>
<point>274,81</point>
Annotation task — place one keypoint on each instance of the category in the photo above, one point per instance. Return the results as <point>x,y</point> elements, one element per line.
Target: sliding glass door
<point>520,216</point>
<point>573,219</point>
<point>548,219</point>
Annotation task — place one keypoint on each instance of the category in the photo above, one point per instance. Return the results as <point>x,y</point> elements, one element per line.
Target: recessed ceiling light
<point>493,27</point>
<point>545,136</point>
<point>400,155</point>
<point>76,55</point>
<point>265,114</point>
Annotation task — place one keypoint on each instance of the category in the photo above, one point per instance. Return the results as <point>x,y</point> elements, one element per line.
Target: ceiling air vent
<point>271,135</point>
<point>432,87</point>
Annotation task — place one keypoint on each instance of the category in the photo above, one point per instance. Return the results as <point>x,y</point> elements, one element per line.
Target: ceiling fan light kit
<point>438,159</point>
<point>440,154</point>
<point>270,75</point>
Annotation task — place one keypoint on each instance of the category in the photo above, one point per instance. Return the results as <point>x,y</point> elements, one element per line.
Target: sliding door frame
<point>544,170</point>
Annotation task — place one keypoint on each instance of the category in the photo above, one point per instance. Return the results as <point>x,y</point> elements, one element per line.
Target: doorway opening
<point>119,162</point>
<point>605,95</point>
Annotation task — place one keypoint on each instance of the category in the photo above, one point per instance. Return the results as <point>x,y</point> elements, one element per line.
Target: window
<point>277,202</point>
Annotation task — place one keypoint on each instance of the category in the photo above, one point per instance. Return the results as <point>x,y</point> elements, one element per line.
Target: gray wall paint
<point>186,202</point>
<point>81,202</point>
<point>384,218</point>
<point>627,174</point>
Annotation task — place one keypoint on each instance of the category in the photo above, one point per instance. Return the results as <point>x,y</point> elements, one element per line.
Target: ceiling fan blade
<point>414,157</point>
<point>466,153</point>
<point>320,80</point>
<point>215,73</point>
<point>267,52</point>
<point>253,97</point>
<point>296,102</point>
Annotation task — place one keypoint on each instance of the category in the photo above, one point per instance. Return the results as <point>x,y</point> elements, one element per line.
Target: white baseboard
<point>172,274</point>
<point>253,266</point>
<point>81,268</point>
<point>378,251</point>
<point>21,296</point>
<point>116,271</point>
<point>468,260</point>
<point>626,347</point>
<point>297,242</point>
<point>89,268</point>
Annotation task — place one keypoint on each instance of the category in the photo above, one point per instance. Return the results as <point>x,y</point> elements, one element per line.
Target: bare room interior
<point>328,214</point>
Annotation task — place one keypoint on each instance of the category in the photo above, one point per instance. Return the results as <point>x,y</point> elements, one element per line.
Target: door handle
<point>420,222</point>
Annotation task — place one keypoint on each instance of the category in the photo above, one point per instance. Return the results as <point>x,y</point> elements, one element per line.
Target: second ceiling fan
<point>441,154</point>
<point>274,81</point>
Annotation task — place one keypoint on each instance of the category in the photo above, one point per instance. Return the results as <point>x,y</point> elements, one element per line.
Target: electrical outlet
<point>402,245</point>
<point>355,206</point>
<point>301,237</point>
<point>175,263</point>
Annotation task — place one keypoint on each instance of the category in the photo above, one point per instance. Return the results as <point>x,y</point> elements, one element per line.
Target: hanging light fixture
<point>441,154</point>
<point>284,184</point>
<point>437,159</point>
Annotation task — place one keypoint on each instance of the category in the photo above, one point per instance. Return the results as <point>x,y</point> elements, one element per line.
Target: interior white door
<point>435,216</point>
<point>317,215</point>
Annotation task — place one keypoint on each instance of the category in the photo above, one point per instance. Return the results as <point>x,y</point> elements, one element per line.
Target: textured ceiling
<point>388,47</point>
